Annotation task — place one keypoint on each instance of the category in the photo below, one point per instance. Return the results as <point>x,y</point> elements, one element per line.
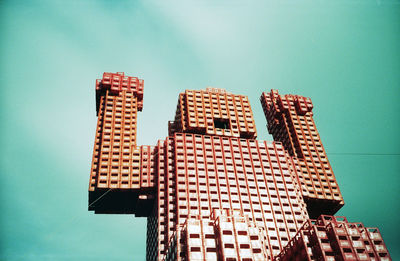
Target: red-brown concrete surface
<point>334,238</point>
<point>290,121</point>
<point>211,191</point>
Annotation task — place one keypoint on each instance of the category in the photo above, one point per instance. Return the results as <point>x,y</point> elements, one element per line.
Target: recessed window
<point>221,123</point>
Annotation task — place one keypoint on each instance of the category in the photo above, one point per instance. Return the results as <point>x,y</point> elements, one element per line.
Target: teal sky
<point>344,55</point>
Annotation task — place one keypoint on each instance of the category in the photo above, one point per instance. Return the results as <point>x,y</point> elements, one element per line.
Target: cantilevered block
<point>117,179</point>
<point>290,121</point>
<point>334,238</point>
<point>225,235</point>
<point>214,112</point>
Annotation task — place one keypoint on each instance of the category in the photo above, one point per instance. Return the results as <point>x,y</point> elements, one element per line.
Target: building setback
<point>212,191</point>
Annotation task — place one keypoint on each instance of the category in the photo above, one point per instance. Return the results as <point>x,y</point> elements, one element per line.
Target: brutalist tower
<point>212,191</point>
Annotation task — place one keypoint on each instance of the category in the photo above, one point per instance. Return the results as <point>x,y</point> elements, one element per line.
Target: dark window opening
<point>222,123</point>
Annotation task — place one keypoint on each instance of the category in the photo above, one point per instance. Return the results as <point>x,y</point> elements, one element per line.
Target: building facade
<point>212,191</point>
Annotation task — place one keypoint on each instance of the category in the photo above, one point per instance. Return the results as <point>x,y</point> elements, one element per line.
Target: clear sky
<point>345,55</point>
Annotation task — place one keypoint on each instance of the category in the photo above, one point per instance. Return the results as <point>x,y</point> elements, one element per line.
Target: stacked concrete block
<point>290,121</point>
<point>334,238</point>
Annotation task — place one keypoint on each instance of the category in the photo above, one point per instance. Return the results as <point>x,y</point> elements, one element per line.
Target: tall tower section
<point>116,161</point>
<point>290,121</point>
<point>222,194</point>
